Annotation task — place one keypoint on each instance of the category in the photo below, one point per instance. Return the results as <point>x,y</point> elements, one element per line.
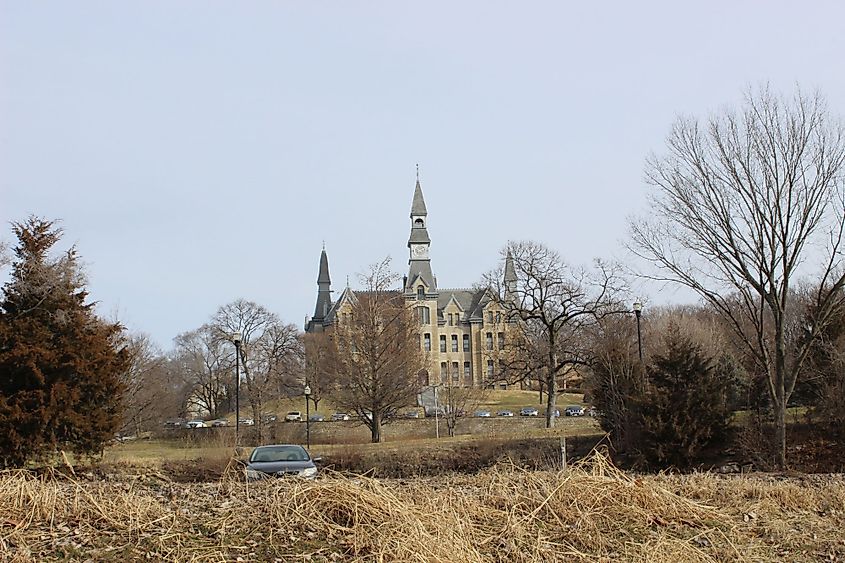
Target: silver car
<point>282,460</point>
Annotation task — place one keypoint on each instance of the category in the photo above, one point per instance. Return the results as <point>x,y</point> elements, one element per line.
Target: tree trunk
<point>551,382</point>
<point>780,425</point>
<point>780,398</point>
<point>375,428</point>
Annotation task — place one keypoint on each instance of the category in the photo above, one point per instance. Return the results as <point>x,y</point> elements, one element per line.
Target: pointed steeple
<point>418,205</point>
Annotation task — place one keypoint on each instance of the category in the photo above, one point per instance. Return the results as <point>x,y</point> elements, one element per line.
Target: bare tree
<point>458,400</point>
<point>554,304</point>
<point>741,203</point>
<point>151,394</point>
<point>376,355</point>
<point>5,258</point>
<point>318,366</point>
<point>206,364</point>
<point>271,351</point>
<point>616,379</point>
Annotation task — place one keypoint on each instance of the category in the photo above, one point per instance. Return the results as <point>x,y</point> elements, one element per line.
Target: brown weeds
<point>591,512</point>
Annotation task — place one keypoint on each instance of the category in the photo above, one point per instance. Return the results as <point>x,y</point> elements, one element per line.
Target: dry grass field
<point>590,512</point>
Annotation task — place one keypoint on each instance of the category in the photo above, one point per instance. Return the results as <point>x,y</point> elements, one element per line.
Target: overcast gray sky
<point>201,151</point>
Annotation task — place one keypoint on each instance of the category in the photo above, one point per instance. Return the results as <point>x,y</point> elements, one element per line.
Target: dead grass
<point>592,512</point>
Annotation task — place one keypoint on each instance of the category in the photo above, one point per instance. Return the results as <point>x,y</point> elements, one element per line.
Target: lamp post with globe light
<point>236,338</point>
<point>638,310</point>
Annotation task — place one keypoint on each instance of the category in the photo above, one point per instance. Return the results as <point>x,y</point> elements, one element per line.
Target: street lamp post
<point>307,392</point>
<point>236,338</point>
<point>638,311</point>
<point>436,414</point>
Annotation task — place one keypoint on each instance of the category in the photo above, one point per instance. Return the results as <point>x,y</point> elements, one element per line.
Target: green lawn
<point>514,400</point>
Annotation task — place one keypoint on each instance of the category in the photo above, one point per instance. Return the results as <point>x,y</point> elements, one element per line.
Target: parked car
<point>219,423</point>
<point>482,414</point>
<point>529,411</point>
<point>412,414</point>
<point>268,418</point>
<point>556,414</point>
<point>293,416</point>
<point>339,416</point>
<point>174,423</point>
<point>282,460</point>
<point>246,421</point>
<point>593,411</point>
<point>316,418</point>
<point>504,413</point>
<point>431,411</point>
<point>574,410</point>
<point>195,424</point>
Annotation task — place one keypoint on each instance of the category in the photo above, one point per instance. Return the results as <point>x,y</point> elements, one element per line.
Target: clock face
<point>418,250</point>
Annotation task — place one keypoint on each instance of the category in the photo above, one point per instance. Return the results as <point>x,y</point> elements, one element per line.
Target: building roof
<point>419,235</point>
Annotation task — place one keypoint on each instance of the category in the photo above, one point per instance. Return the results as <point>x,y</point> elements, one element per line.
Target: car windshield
<point>279,453</point>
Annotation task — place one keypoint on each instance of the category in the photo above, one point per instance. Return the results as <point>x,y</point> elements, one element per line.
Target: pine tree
<point>60,365</point>
<point>685,408</point>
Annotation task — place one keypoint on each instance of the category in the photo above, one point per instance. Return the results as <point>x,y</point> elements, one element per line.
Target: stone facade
<point>463,332</point>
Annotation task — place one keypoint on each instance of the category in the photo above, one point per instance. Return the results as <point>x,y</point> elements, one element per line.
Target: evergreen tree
<point>685,409</point>
<point>60,365</point>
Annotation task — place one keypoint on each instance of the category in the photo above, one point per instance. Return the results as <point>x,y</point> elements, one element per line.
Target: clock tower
<point>419,261</point>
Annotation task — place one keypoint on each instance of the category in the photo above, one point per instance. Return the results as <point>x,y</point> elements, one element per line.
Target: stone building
<point>462,331</point>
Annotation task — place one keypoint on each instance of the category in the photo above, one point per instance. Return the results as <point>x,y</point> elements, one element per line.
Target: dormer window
<point>419,223</point>
<point>420,293</point>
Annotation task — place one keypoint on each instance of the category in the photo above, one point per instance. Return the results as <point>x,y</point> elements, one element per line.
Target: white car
<point>338,416</point>
<point>246,421</point>
<point>195,424</point>
<point>293,416</point>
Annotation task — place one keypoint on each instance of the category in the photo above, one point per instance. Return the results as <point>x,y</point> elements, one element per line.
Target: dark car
<point>282,460</point>
<point>317,418</point>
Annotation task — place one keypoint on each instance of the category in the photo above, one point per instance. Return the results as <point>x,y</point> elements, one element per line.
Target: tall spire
<point>418,205</point>
<point>418,243</point>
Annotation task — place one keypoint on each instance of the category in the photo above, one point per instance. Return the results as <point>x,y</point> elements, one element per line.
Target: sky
<point>197,152</point>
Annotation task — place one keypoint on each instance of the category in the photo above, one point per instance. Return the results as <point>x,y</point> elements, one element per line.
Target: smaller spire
<point>510,272</point>
<point>510,277</point>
